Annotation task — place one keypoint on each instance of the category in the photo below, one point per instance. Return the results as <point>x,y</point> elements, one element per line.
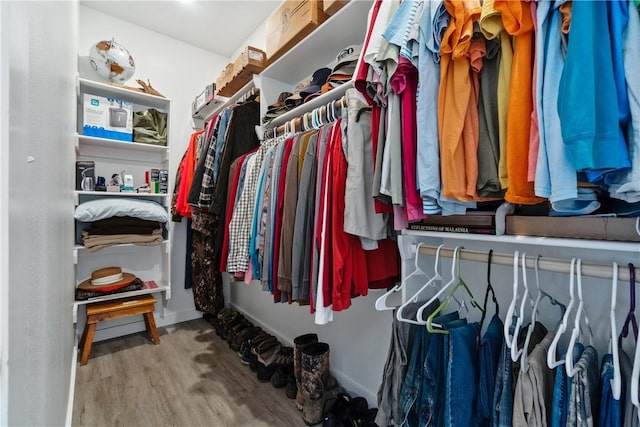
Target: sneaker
<point>245,353</point>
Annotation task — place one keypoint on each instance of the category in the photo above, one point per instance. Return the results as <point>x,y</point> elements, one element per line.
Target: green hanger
<point>447,300</point>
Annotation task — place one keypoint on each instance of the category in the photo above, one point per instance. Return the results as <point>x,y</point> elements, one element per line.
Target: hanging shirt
<point>236,167</point>
<point>454,96</point>
<point>492,27</point>
<point>587,101</point>
<point>516,17</point>
<point>555,176</point>
<point>626,186</point>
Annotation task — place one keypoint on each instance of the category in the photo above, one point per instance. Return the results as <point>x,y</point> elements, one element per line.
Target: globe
<point>112,61</point>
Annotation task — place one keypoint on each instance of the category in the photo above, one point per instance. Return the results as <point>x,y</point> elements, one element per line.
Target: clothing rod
<point>601,271</point>
<point>339,103</point>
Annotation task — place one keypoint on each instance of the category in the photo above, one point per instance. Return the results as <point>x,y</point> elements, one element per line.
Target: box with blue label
<point>107,118</point>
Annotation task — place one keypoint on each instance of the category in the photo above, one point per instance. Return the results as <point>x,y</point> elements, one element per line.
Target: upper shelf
<point>348,26</point>
<point>114,91</point>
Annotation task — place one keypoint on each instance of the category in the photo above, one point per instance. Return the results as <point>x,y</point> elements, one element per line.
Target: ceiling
<point>219,26</point>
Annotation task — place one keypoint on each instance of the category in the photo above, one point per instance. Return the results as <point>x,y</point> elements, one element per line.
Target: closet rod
<point>601,271</point>
<point>339,104</point>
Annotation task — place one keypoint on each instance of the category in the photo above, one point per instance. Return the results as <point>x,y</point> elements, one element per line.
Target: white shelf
<point>162,287</point>
<point>323,99</point>
<point>114,143</point>
<point>604,245</point>
<point>119,92</point>
<point>121,194</point>
<point>348,26</point>
<point>81,248</point>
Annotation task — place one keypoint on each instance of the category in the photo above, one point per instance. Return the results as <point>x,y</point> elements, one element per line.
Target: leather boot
<point>298,343</point>
<point>314,379</point>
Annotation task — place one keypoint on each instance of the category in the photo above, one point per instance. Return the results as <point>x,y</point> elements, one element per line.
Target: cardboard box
<point>85,175</point>
<point>107,118</point>
<point>330,7</point>
<point>594,228</point>
<point>293,21</point>
<point>237,74</point>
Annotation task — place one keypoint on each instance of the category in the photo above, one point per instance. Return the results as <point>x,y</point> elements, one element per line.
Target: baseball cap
<point>296,99</point>
<point>347,59</point>
<point>317,80</point>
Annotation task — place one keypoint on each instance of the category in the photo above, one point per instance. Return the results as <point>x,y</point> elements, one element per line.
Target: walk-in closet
<point>319,212</point>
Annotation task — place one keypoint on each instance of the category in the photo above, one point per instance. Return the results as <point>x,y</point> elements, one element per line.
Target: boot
<point>314,376</point>
<point>298,343</point>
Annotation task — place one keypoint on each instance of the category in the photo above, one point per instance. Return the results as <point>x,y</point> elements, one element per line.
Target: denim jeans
<point>562,391</point>
<point>461,376</point>
<point>610,408</point>
<point>488,360</point>
<point>395,369</point>
<point>425,350</point>
<point>584,399</point>
<point>503,394</point>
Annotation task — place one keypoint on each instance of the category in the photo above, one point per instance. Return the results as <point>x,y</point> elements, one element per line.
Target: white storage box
<point>107,118</point>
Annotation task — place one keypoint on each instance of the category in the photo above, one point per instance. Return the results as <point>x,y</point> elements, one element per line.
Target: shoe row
<point>302,370</point>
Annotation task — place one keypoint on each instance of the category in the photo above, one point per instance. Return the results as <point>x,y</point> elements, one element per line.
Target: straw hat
<point>107,279</point>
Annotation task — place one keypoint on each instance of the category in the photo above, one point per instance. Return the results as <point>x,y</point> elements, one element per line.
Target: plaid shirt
<point>240,225</point>
<point>207,186</point>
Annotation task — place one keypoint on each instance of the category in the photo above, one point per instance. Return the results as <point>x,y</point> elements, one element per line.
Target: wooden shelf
<point>115,91</point>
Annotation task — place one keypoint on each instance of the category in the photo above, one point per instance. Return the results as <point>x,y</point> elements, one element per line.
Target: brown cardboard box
<point>251,60</point>
<point>620,229</point>
<point>293,20</point>
<point>332,6</point>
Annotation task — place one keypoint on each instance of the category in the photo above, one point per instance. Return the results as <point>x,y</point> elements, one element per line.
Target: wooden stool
<point>113,310</point>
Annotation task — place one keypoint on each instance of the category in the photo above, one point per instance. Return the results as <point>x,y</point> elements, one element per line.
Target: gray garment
<point>321,154</point>
<point>630,412</point>
<point>303,225</point>
<point>534,389</point>
<point>585,391</point>
<point>395,368</point>
<point>394,141</point>
<point>360,217</point>
<point>270,224</point>
<point>377,174</point>
<point>488,184</point>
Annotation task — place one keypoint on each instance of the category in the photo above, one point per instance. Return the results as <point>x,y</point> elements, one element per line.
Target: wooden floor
<point>192,378</point>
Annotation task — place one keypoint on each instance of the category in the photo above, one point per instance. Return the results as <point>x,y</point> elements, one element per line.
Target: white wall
<point>42,63</point>
<point>179,71</point>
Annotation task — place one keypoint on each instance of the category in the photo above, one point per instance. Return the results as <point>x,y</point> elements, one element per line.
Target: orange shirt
<point>454,96</point>
<point>517,20</point>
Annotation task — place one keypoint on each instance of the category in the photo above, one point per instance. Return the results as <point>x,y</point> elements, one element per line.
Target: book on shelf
<point>471,219</point>
<point>418,226</point>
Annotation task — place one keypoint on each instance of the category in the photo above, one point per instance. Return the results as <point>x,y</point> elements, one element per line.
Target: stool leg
<point>150,324</point>
<point>88,342</point>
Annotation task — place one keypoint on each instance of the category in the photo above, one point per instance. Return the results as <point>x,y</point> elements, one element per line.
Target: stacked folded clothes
<point>119,230</point>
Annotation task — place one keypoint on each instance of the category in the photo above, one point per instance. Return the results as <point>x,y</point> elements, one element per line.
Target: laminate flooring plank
<point>192,378</point>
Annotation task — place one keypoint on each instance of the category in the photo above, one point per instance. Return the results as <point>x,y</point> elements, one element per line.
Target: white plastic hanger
<point>515,352</point>
<point>512,305</point>
<point>381,302</point>
<point>454,279</point>
<point>551,354</point>
<point>616,381</point>
<point>580,315</point>
<point>437,278</point>
<point>524,359</point>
